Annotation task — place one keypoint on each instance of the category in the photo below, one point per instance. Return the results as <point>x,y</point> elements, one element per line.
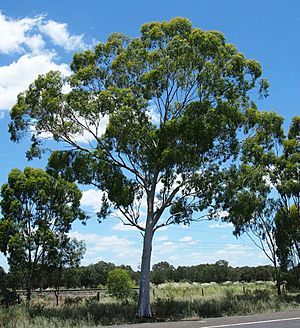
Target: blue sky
<point>36,36</point>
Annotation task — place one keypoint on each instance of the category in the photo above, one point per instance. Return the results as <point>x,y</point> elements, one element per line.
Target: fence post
<point>244,290</point>
<point>202,291</point>
<point>98,296</point>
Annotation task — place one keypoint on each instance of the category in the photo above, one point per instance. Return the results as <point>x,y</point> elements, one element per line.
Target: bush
<point>120,285</point>
<point>72,300</point>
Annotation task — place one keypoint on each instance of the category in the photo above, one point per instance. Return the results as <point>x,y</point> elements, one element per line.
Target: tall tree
<point>65,253</point>
<point>288,238</point>
<point>162,272</point>
<point>37,210</point>
<point>287,180</point>
<point>153,118</point>
<point>263,192</point>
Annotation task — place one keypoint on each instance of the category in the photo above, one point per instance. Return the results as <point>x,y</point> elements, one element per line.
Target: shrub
<point>72,300</point>
<point>120,285</point>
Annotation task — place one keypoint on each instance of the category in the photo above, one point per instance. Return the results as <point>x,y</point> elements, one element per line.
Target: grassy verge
<point>89,313</point>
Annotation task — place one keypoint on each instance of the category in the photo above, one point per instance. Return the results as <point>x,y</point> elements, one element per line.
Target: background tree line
<point>96,275</point>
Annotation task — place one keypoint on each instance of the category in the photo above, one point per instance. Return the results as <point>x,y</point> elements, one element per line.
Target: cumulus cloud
<point>109,248</point>
<point>14,33</point>
<point>99,243</point>
<point>92,198</point>
<point>30,55</point>
<point>186,239</point>
<point>36,44</point>
<point>88,135</point>
<point>17,76</point>
<point>127,250</point>
<point>60,36</point>
<point>235,254</point>
<point>19,35</point>
<point>153,114</point>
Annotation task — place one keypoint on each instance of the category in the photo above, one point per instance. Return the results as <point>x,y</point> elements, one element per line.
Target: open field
<point>183,291</point>
<point>195,291</point>
<point>170,301</point>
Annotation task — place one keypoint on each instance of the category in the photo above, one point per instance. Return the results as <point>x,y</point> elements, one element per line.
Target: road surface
<point>289,319</point>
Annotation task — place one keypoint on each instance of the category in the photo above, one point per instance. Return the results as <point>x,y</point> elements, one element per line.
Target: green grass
<point>171,302</point>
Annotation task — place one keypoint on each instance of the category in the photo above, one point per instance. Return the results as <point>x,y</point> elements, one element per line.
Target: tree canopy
<point>38,211</point>
<point>263,190</point>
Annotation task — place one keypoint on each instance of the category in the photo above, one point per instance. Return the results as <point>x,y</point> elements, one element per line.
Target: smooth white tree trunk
<point>144,309</point>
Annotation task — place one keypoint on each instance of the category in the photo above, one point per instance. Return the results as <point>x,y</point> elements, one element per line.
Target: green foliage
<point>67,253</point>
<point>191,81</point>
<point>162,272</point>
<point>38,211</point>
<point>262,192</point>
<point>120,285</point>
<point>205,273</point>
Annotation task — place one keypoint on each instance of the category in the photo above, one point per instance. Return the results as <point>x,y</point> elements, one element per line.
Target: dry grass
<point>194,291</point>
<point>172,301</point>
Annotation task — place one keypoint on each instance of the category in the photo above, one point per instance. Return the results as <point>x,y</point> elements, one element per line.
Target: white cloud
<point>122,227</point>
<point>25,38</point>
<point>60,36</point>
<point>36,44</point>
<point>235,253</point>
<point>92,198</point>
<point>17,35</point>
<point>103,242</point>
<point>109,248</point>
<point>186,239</point>
<point>14,33</point>
<point>162,238</point>
<point>125,250</point>
<point>153,114</point>
<point>221,214</point>
<point>161,250</point>
<point>168,243</point>
<point>17,76</point>
<point>221,225</point>
<point>88,134</point>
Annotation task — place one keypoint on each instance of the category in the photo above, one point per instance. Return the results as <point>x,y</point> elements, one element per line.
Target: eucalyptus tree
<point>66,253</point>
<point>262,193</point>
<point>287,178</point>
<point>37,211</point>
<point>150,120</point>
<point>288,238</point>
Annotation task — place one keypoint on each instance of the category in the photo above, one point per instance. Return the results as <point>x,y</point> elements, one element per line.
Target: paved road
<point>290,319</point>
